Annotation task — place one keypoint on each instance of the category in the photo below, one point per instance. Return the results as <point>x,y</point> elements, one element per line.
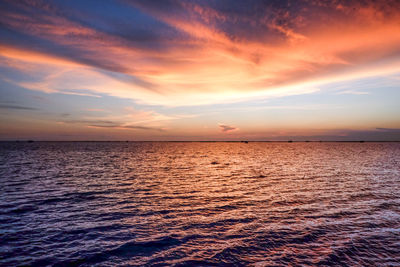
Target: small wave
<point>25,208</point>
<point>128,250</point>
<point>370,251</point>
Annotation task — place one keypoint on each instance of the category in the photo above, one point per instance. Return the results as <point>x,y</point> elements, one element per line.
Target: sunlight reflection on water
<point>117,203</point>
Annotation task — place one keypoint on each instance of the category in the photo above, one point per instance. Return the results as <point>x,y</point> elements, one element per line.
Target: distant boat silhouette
<point>30,141</point>
<point>290,141</point>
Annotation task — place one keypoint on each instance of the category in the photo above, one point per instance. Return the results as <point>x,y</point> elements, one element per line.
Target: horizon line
<point>212,141</point>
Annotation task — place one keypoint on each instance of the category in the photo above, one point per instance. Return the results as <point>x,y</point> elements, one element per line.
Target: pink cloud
<point>227,128</point>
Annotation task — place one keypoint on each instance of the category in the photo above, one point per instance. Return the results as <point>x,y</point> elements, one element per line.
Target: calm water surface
<point>258,204</point>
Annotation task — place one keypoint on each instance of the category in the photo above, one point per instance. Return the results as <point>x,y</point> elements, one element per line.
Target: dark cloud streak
<point>17,107</point>
<point>111,124</point>
<point>133,127</point>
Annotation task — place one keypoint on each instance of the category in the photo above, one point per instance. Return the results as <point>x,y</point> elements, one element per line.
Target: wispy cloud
<point>351,92</point>
<point>80,94</point>
<point>133,127</point>
<point>111,124</point>
<point>17,107</point>
<point>227,128</point>
<point>95,109</point>
<point>395,130</point>
<point>378,134</point>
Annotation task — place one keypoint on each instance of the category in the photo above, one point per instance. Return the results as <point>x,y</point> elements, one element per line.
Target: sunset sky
<point>199,70</point>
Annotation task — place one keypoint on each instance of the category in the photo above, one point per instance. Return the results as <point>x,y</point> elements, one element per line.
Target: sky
<point>200,70</point>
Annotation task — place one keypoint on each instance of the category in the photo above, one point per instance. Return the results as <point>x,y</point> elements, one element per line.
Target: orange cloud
<point>209,64</point>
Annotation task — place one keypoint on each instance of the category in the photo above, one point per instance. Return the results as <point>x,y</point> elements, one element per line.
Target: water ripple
<point>199,204</point>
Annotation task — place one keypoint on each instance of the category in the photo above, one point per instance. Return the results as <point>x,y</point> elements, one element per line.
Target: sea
<point>199,204</point>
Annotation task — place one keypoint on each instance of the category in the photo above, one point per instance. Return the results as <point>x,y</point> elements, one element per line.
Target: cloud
<point>130,118</point>
<point>134,127</point>
<point>191,53</point>
<point>95,109</point>
<point>227,128</point>
<point>111,124</point>
<point>378,134</point>
<point>100,122</point>
<point>394,130</point>
<point>16,107</point>
<point>352,92</point>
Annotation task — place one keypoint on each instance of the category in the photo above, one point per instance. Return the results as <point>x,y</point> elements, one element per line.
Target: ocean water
<point>199,204</point>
